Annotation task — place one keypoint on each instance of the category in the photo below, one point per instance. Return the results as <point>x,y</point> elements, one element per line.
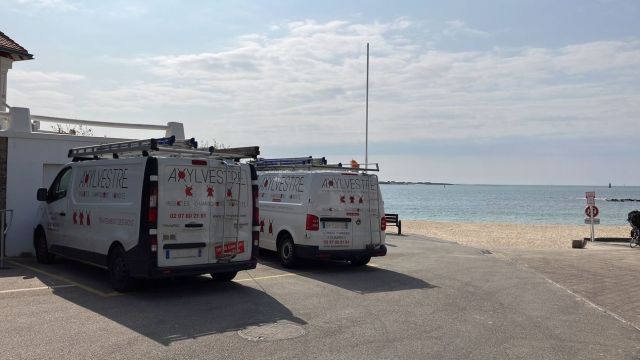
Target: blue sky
<point>505,92</point>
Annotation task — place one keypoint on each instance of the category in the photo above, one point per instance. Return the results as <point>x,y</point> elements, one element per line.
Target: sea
<point>517,204</point>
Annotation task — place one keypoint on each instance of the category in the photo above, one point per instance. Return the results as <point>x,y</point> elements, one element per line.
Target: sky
<point>477,92</point>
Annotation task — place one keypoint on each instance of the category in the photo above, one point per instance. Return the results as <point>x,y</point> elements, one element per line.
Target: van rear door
<point>184,212</point>
<point>371,213</point>
<point>337,216</point>
<point>231,211</point>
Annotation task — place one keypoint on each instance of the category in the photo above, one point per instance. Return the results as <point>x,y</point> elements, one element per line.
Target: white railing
<point>98,123</point>
<point>19,119</point>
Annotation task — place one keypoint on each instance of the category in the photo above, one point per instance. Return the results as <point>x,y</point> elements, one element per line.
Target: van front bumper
<point>200,269</point>
<point>308,251</point>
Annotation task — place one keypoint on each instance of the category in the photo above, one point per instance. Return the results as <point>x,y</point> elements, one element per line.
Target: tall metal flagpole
<point>366,132</point>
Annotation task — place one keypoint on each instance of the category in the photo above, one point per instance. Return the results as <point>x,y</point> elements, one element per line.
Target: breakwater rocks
<point>622,200</point>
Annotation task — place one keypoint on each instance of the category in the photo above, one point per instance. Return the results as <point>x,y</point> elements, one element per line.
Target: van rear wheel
<point>287,251</point>
<point>118,271</point>
<point>42,250</point>
<point>224,276</point>
<point>360,260</point>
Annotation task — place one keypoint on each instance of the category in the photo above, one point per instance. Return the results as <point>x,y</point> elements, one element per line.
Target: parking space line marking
<point>61,278</point>
<point>266,277</point>
<point>289,274</point>
<point>36,288</point>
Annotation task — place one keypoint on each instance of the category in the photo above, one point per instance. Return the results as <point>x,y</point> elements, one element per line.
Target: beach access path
<point>604,274</point>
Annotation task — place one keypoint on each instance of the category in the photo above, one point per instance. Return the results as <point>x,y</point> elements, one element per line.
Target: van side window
<point>59,187</point>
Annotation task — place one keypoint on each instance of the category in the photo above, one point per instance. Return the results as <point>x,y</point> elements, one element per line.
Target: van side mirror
<point>42,194</point>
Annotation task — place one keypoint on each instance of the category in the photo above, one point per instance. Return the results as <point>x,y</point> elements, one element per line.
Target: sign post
<point>591,211</point>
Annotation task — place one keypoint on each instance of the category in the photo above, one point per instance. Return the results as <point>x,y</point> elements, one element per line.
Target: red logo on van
<point>181,175</point>
<point>209,191</point>
<point>188,190</point>
<point>342,199</point>
<point>229,193</point>
<point>80,218</point>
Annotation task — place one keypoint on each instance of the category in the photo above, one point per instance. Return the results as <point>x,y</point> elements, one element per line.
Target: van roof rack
<point>169,145</point>
<point>308,163</point>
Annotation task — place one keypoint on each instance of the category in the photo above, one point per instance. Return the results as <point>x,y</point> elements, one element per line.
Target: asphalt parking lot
<point>427,299</point>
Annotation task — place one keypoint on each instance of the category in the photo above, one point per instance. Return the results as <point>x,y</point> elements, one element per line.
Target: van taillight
<point>383,223</point>
<point>152,215</point>
<point>313,223</point>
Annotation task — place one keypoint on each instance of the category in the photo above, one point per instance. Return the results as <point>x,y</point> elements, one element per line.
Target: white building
<point>30,158</point>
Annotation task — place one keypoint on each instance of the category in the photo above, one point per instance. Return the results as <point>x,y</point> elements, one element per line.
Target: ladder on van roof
<point>308,163</point>
<point>169,145</point>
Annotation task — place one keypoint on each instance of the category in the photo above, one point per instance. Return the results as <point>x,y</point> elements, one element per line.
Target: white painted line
<point>36,288</point>
<point>267,277</point>
<point>62,278</point>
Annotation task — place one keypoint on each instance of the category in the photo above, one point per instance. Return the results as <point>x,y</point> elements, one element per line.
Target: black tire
<point>360,261</point>
<point>287,251</point>
<point>118,271</point>
<point>42,250</point>
<point>224,276</point>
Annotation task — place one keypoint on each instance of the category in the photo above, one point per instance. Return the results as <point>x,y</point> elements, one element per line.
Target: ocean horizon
<point>517,204</point>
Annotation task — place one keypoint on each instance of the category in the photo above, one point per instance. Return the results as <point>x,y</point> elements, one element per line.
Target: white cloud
<point>40,79</point>
<point>458,27</point>
<point>31,6</point>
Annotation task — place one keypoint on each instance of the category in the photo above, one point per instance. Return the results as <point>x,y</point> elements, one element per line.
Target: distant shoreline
<point>412,183</point>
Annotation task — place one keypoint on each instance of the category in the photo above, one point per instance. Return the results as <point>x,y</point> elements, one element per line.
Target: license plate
<point>335,225</point>
<point>183,253</point>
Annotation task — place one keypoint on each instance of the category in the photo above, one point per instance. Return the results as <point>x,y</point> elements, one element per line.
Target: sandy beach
<point>508,236</point>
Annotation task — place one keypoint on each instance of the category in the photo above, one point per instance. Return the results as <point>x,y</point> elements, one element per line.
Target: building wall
<point>31,159</point>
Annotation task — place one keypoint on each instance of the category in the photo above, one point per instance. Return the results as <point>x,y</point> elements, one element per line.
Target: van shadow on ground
<point>360,279</point>
<point>170,310</point>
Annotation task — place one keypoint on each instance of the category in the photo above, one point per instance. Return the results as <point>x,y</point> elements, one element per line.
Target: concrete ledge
<point>609,239</point>
<point>578,244</point>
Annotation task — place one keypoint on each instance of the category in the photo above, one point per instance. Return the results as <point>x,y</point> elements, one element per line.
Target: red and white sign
<point>591,197</point>
<point>591,211</point>
<point>229,248</point>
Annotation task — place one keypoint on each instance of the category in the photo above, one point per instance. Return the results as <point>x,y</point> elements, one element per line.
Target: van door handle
<point>193,225</point>
<point>62,214</point>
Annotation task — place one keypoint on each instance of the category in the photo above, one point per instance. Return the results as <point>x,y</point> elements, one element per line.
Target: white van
<point>336,214</point>
<point>155,215</point>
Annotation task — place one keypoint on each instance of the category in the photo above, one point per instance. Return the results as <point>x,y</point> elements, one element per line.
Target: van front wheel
<point>118,271</point>
<point>42,250</point>
<point>286,251</point>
